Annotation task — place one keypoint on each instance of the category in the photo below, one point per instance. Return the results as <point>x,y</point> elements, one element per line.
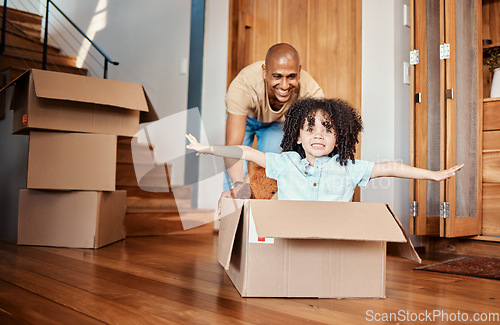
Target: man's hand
<point>240,191</point>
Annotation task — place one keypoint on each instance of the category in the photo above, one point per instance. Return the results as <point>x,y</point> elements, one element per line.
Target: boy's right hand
<point>195,145</point>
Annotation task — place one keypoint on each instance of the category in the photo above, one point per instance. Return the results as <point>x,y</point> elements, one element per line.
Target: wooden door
<point>447,116</point>
<point>462,99</point>
<point>426,114</point>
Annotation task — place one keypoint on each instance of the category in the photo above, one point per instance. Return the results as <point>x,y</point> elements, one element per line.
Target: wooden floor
<point>177,280</point>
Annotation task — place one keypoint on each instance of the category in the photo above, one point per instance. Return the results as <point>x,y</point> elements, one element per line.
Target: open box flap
<point>71,87</point>
<point>406,249</point>
<point>231,213</point>
<point>150,115</point>
<point>19,78</point>
<point>325,220</point>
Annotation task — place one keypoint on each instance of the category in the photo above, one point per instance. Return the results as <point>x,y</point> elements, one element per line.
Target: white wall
<point>386,101</point>
<point>13,161</point>
<point>13,172</point>
<point>214,91</point>
<point>152,53</point>
<point>150,39</point>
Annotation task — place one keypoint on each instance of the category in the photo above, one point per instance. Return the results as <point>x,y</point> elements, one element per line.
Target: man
<point>257,101</point>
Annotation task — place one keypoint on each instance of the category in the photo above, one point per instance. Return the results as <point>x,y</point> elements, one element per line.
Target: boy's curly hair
<point>346,122</point>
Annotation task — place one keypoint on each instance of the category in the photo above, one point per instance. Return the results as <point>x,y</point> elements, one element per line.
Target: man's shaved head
<point>281,72</point>
<point>282,51</point>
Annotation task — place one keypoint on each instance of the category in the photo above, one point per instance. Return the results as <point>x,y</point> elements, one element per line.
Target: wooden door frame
<point>241,21</point>
<point>420,224</point>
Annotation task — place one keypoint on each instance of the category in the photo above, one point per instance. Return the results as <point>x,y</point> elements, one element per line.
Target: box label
<point>254,238</point>
<point>25,119</point>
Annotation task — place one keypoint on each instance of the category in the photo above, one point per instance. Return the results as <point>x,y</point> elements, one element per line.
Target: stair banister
<point>4,24</point>
<point>45,41</point>
<point>46,36</point>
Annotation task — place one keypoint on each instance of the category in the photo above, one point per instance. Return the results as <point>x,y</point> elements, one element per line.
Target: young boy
<point>317,162</point>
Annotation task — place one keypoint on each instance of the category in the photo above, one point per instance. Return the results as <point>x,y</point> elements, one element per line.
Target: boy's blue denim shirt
<point>326,181</point>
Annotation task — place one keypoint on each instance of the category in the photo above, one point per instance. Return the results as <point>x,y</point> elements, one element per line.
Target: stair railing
<point>45,40</point>
<point>107,60</point>
<point>4,25</point>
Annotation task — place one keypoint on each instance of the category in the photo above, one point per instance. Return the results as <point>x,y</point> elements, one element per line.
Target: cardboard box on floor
<point>71,161</point>
<point>62,101</point>
<point>273,248</point>
<point>74,219</point>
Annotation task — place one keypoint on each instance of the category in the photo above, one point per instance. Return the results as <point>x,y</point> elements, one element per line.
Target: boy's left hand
<point>444,174</point>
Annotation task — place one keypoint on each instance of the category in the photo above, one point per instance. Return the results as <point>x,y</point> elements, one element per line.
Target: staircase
<point>148,213</point>
<point>24,47</point>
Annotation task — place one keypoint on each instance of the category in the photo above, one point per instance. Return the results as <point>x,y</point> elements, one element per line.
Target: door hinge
<point>414,209</point>
<point>414,57</point>
<point>449,93</point>
<point>444,51</point>
<point>444,210</point>
<point>418,97</point>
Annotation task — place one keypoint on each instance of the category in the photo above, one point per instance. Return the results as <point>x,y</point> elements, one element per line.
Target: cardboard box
<point>76,219</point>
<point>273,248</point>
<point>71,161</point>
<point>62,101</point>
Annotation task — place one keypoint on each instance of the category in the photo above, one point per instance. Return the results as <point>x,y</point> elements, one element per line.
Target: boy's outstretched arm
<point>237,152</point>
<point>396,169</point>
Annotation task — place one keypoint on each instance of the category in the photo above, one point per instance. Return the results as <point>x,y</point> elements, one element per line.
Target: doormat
<point>481,267</point>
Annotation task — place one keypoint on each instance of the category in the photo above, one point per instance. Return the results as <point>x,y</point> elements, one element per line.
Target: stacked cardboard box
<point>73,123</point>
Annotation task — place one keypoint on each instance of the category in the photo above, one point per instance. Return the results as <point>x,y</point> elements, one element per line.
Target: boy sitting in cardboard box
<point>284,249</point>
<point>317,162</point>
